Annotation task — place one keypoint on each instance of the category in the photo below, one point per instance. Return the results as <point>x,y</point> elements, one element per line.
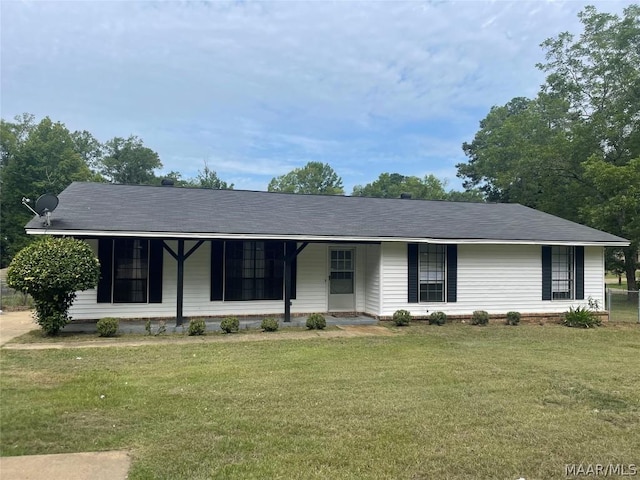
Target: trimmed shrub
<point>52,270</point>
<point>230,324</point>
<point>197,327</point>
<point>513,318</point>
<point>581,317</point>
<point>480,317</point>
<point>269,324</point>
<point>437,318</point>
<point>108,327</point>
<point>401,318</point>
<point>317,321</point>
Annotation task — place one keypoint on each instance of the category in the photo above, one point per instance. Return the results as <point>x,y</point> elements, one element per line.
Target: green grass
<point>451,402</point>
<point>623,308</point>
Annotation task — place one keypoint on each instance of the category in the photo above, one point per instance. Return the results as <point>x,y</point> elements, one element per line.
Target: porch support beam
<point>288,260</point>
<point>180,258</point>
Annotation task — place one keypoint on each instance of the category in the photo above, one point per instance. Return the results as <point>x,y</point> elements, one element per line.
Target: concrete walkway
<point>14,324</point>
<point>72,466</point>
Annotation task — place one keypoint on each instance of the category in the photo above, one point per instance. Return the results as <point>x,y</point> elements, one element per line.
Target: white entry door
<point>342,279</point>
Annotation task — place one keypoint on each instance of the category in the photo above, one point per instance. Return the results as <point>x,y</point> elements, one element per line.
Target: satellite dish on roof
<point>46,203</point>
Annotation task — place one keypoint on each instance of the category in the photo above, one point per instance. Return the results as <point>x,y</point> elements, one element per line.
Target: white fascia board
<point>311,238</point>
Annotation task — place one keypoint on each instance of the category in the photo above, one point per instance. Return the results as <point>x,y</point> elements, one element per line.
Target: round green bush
<point>107,327</point>
<point>197,327</point>
<point>230,325</point>
<point>52,270</point>
<point>269,324</point>
<point>401,318</point>
<point>437,318</point>
<point>513,318</point>
<point>480,317</point>
<point>317,321</point>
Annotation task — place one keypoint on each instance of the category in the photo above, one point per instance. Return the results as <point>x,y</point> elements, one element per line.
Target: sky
<point>258,88</point>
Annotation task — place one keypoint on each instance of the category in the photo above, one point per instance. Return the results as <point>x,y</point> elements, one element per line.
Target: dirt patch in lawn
<point>342,331</point>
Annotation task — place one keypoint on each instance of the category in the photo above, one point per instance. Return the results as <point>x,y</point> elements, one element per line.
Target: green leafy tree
<point>314,178</point>
<point>37,159</point>
<point>89,148</point>
<point>52,270</point>
<point>128,161</point>
<point>553,152</point>
<point>393,185</point>
<point>208,178</point>
<point>616,206</point>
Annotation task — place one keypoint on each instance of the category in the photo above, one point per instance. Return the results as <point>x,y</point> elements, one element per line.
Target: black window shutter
<point>217,270</point>
<point>156,254</point>
<point>546,273</point>
<point>290,248</point>
<point>452,273</point>
<point>579,256</point>
<point>105,256</point>
<point>412,271</point>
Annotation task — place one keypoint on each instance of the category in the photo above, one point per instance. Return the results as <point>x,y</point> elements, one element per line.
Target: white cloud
<point>259,88</point>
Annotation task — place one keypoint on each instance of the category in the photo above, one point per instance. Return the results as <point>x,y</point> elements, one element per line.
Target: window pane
<point>431,273</point>
<point>130,270</point>
<point>254,270</point>
<point>562,273</point>
<point>341,283</point>
<point>431,292</point>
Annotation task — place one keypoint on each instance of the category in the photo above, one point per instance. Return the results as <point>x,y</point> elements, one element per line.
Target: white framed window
<point>431,273</point>
<point>562,273</point>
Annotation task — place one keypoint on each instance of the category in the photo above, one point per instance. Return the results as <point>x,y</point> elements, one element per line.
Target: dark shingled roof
<point>115,209</point>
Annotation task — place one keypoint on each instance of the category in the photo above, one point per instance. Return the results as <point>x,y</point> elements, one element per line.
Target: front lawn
<point>453,402</point>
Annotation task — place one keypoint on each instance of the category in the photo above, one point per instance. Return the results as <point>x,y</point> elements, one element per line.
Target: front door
<point>341,280</point>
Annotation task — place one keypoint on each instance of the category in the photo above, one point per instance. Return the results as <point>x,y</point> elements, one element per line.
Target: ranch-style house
<point>170,252</point>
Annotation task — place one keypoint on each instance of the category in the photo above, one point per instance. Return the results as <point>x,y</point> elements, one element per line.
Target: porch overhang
<point>310,238</point>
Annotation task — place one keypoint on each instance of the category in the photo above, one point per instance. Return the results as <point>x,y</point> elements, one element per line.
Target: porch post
<point>289,257</point>
<point>179,300</point>
<point>287,286</point>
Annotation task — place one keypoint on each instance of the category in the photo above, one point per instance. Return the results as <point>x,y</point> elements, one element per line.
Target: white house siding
<point>372,280</point>
<point>312,284</point>
<point>311,287</point>
<point>495,278</point>
<point>86,307</point>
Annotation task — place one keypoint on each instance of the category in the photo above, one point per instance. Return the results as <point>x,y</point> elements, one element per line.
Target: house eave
<point>314,238</point>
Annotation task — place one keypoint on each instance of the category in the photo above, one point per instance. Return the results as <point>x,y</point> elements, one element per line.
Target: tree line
<point>45,157</point>
<point>574,149</point>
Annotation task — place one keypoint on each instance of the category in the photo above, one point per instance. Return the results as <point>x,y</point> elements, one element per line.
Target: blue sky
<point>256,89</point>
